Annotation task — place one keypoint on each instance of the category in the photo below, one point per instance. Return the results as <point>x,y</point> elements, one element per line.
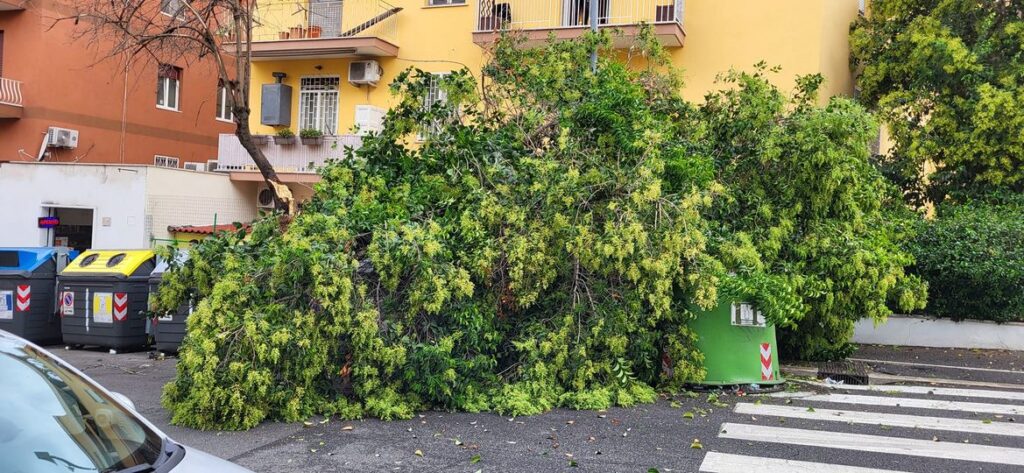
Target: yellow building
<point>316,49</point>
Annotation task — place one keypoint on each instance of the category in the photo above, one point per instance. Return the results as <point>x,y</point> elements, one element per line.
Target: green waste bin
<point>168,328</point>
<point>738,345</point>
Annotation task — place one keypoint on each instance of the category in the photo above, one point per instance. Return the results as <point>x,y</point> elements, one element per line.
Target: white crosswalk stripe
<point>976,426</point>
<point>833,414</point>
<point>715,462</point>
<point>874,443</point>
<point>979,407</point>
<point>935,391</point>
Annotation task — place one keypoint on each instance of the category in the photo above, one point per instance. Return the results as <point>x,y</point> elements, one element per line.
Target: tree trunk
<point>282,195</point>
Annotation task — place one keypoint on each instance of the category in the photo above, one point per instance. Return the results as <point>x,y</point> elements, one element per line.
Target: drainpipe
<point>593,27</point>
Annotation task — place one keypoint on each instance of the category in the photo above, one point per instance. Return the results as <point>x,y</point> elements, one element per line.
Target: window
<point>170,7</point>
<point>435,95</point>
<point>318,104</point>
<point>168,87</point>
<point>435,3</point>
<point>224,104</point>
<point>165,161</point>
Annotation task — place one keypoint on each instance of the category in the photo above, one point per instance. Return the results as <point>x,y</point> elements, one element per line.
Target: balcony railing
<point>303,20</point>
<point>10,92</point>
<point>495,15</point>
<point>231,156</point>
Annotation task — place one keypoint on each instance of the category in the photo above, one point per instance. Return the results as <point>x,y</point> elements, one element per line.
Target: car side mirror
<point>123,400</point>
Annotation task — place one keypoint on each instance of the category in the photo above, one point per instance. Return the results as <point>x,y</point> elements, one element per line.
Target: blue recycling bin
<point>28,281</point>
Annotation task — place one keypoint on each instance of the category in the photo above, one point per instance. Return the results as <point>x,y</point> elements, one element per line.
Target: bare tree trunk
<point>282,194</point>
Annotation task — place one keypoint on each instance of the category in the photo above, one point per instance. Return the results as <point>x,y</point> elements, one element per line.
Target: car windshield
<point>52,420</point>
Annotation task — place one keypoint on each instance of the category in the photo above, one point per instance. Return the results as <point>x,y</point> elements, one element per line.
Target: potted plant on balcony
<point>314,31</point>
<point>283,35</point>
<point>311,137</point>
<point>297,32</point>
<point>284,136</point>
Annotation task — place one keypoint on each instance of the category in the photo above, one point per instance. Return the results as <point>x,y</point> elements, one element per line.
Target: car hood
<point>198,461</point>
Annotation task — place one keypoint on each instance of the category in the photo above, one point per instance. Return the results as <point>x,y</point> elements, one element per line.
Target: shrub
<point>285,133</point>
<point>972,256</point>
<point>310,133</point>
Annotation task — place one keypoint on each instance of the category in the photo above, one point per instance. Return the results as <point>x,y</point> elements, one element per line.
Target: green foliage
<point>528,254</point>
<point>948,78</point>
<point>543,246</point>
<point>972,256</point>
<point>804,224</point>
<point>285,133</point>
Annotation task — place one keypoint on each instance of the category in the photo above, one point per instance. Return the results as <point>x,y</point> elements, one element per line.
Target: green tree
<point>805,203</point>
<point>947,76</point>
<point>530,253</point>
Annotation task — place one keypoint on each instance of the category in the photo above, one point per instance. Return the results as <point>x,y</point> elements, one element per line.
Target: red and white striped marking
<point>120,306</point>
<point>767,373</point>
<point>24,298</point>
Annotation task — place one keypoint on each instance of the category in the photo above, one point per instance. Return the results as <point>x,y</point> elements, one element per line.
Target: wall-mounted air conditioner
<point>212,165</point>
<point>195,166</point>
<point>364,72</point>
<point>61,138</point>
<point>264,197</point>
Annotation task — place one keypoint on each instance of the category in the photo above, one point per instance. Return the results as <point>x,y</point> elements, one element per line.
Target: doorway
<point>74,229</point>
<point>577,12</point>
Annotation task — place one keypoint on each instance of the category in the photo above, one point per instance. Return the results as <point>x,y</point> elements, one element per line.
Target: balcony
<point>10,98</point>
<point>319,29</point>
<point>294,163</point>
<point>568,19</point>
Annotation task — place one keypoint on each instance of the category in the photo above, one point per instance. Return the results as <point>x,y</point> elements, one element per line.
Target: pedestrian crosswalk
<point>915,423</point>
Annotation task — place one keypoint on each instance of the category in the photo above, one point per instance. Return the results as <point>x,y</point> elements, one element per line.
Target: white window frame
<point>163,161</point>
<point>163,85</point>
<point>434,95</point>
<point>445,3</point>
<point>224,112</point>
<point>320,121</point>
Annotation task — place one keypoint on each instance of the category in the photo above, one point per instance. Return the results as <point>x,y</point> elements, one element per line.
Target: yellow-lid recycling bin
<point>104,297</point>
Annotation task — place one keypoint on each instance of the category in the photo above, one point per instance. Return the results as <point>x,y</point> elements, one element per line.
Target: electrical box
<point>276,105</point>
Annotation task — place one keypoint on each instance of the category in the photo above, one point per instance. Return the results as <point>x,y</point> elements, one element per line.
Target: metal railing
<point>550,14</point>
<point>231,156</point>
<point>312,19</point>
<point>10,92</point>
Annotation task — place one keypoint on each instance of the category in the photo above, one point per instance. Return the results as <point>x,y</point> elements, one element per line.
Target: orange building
<point>63,100</point>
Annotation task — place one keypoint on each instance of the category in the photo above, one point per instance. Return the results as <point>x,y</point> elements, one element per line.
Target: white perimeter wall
<point>112,192</point>
<point>131,204</point>
<point>179,197</point>
<point>915,331</point>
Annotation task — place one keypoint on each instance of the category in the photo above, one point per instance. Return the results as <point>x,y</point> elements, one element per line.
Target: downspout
<point>124,108</point>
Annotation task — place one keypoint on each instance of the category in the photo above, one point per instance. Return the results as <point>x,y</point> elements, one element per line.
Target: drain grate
<point>847,372</point>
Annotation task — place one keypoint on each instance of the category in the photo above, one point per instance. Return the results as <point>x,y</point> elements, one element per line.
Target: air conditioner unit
<point>369,118</point>
<point>364,72</point>
<point>212,165</point>
<point>61,138</point>
<point>195,166</point>
<point>265,198</point>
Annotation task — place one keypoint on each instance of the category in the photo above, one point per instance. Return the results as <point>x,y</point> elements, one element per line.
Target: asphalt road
<point>661,436</point>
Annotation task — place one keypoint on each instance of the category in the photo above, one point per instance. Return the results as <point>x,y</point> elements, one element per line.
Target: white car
<point>53,418</point>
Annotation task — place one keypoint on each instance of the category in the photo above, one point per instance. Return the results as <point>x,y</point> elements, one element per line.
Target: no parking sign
<point>67,303</point>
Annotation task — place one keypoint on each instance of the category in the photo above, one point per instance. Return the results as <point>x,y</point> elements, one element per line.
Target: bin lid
<point>28,259</point>
<point>108,262</point>
<point>162,264</point>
